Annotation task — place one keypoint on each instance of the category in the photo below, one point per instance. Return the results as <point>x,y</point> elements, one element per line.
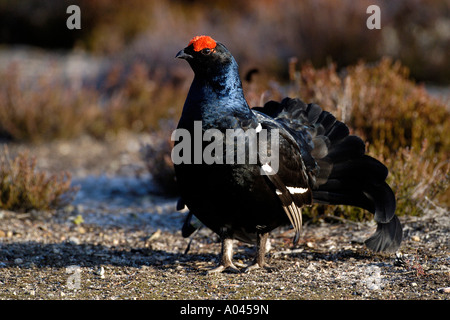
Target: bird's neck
<point>223,83</point>
<point>216,95</point>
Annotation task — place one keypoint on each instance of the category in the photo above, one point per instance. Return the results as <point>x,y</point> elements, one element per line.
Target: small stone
<point>69,208</point>
<point>74,240</point>
<point>415,238</point>
<point>444,290</point>
<point>155,235</point>
<point>310,245</point>
<point>414,284</point>
<point>100,272</point>
<point>79,208</point>
<point>311,267</point>
<point>18,261</point>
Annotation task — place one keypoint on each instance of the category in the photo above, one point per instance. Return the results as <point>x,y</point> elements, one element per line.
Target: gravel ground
<point>120,240</point>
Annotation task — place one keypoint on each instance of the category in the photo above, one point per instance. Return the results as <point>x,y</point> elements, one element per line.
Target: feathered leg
<point>259,261</point>
<point>226,259</point>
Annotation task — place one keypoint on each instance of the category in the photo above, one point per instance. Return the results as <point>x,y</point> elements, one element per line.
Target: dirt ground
<point>121,240</point>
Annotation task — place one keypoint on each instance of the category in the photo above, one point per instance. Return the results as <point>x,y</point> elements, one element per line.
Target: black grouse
<point>312,160</point>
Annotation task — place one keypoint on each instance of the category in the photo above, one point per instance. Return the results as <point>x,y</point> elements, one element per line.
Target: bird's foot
<point>226,259</point>
<point>229,267</point>
<point>257,266</point>
<point>253,267</point>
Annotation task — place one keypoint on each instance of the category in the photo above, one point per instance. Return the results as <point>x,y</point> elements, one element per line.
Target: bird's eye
<point>206,51</point>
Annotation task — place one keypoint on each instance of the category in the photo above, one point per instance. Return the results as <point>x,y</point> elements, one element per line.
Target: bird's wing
<point>289,179</point>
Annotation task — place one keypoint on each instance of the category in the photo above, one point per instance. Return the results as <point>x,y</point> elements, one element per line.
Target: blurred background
<point>259,33</point>
<point>118,74</point>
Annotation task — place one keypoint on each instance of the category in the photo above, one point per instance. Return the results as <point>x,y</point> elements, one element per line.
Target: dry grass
<point>403,125</point>
<point>140,101</point>
<point>381,104</point>
<point>23,188</point>
<point>421,183</point>
<point>43,109</point>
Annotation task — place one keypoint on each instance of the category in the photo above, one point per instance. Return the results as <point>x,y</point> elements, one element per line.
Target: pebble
<point>74,240</point>
<point>100,272</point>
<point>311,267</point>
<point>18,261</point>
<point>444,290</point>
<point>155,235</point>
<point>415,238</point>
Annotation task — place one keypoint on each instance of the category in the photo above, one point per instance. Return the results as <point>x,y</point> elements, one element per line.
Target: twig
<point>289,251</point>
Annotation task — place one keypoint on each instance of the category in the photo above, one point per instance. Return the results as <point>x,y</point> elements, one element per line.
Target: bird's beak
<point>183,55</point>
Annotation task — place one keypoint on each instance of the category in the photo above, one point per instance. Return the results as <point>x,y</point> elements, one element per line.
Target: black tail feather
<point>346,175</point>
<point>361,170</point>
<point>387,238</point>
<point>384,200</point>
<point>359,180</point>
<point>350,147</point>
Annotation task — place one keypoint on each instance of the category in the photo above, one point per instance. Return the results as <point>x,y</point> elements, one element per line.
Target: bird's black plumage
<point>319,162</point>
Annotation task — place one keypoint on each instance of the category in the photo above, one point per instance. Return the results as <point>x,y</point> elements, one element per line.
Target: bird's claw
<point>252,267</point>
<point>222,268</point>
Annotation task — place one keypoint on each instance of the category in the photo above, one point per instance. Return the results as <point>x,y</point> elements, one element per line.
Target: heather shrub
<point>157,157</point>
<point>404,127</point>
<point>141,100</point>
<point>24,188</point>
<point>43,108</point>
<point>421,182</point>
<point>380,103</point>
